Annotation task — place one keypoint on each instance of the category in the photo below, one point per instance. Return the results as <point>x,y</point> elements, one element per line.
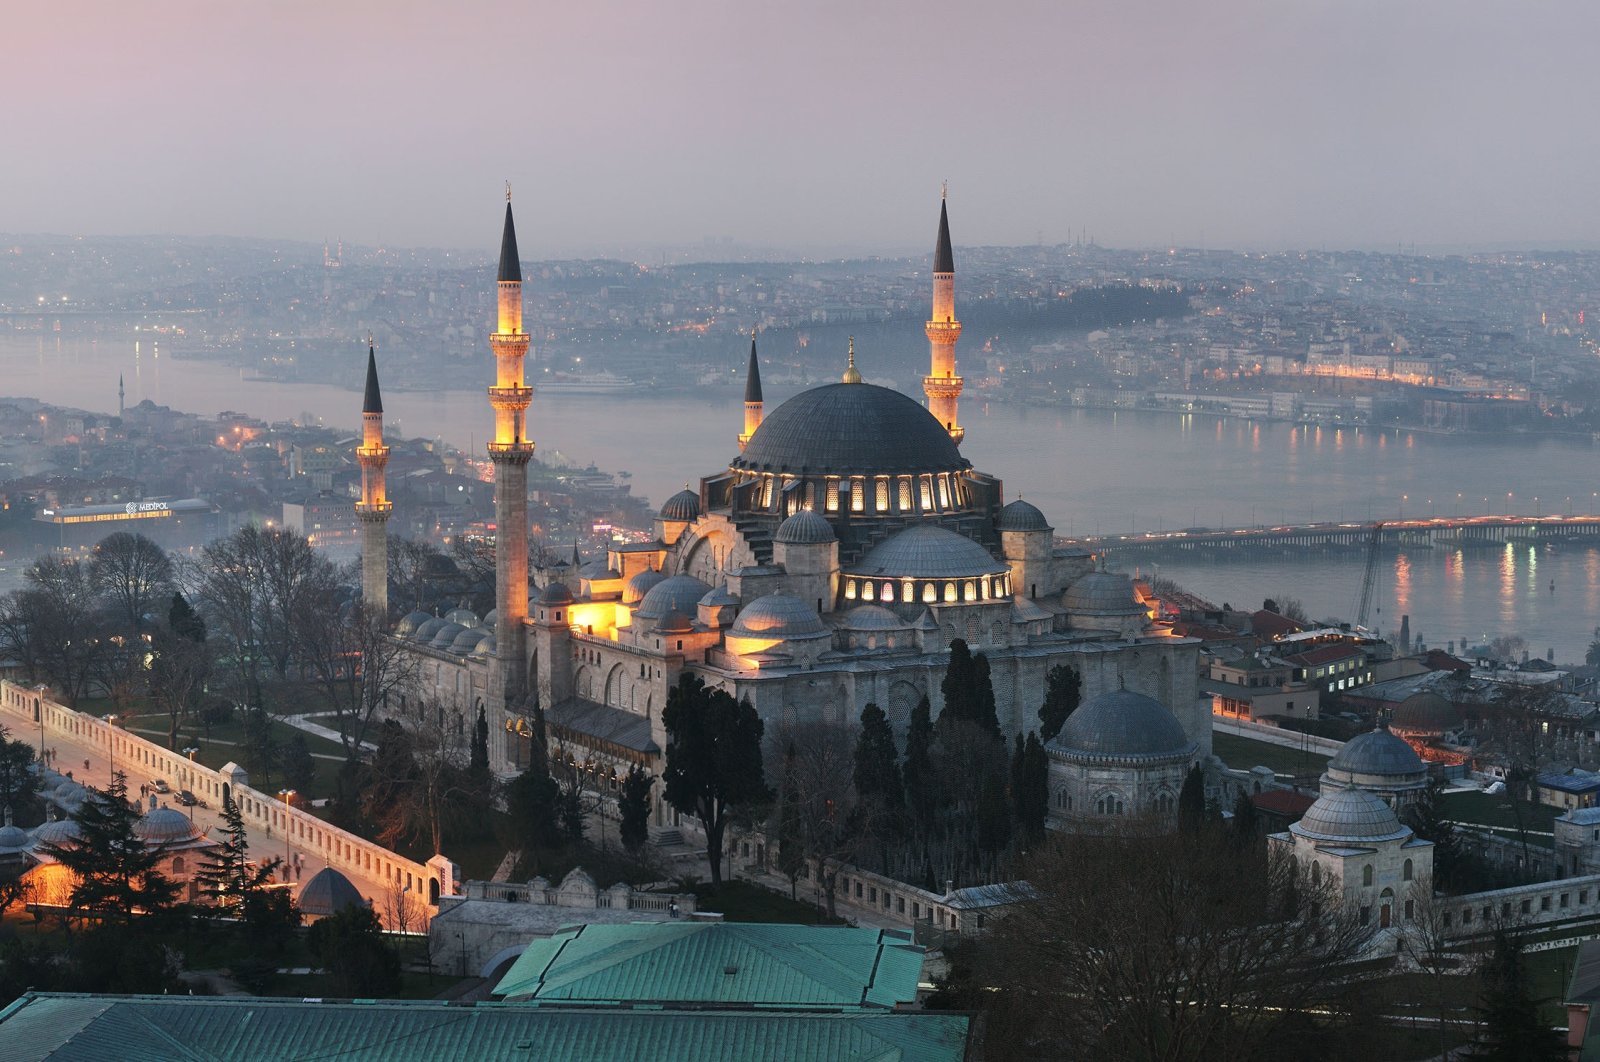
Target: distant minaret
<point>752,395</point>
<point>374,508</point>
<point>942,385</point>
<point>510,451</point>
<point>122,397</point>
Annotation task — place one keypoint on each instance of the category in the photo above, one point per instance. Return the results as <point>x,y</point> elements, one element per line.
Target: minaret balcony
<point>942,386</point>
<point>371,455</point>
<point>378,510</point>
<point>510,397</point>
<point>942,331</point>
<point>515,453</point>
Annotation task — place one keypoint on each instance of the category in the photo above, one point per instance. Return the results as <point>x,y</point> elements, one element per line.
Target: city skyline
<point>624,129</point>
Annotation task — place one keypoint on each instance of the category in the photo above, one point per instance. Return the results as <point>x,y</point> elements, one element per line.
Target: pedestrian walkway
<point>303,722</point>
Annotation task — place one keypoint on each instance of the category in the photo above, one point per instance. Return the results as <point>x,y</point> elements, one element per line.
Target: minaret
<point>752,395</point>
<point>374,507</point>
<point>942,385</point>
<point>510,451</point>
<point>122,396</point>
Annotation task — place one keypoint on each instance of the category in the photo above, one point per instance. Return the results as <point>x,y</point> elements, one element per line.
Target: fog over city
<point>815,128</point>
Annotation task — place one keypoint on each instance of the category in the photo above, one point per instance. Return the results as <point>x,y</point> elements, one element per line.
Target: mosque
<point>830,564</point>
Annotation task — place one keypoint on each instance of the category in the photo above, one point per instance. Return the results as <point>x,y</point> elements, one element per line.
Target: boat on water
<point>565,383</point>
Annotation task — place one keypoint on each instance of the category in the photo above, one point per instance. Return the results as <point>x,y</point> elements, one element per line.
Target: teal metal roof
<point>82,1028</point>
<point>718,964</point>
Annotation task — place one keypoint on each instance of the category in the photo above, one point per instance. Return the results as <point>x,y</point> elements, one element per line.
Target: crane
<point>1374,537</point>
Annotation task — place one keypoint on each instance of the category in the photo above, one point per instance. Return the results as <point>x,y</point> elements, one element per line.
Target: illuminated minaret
<point>510,451</point>
<point>374,507</point>
<point>942,385</point>
<point>752,395</point>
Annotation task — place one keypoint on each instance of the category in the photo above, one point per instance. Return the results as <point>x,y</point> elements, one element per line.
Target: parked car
<point>160,785</point>
<point>188,799</point>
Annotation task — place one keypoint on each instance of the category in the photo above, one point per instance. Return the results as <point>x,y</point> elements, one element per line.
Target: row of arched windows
<point>928,591</point>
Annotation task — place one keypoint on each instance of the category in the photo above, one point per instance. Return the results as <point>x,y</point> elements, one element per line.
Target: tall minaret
<point>122,397</point>
<point>942,385</point>
<point>374,507</point>
<point>510,451</point>
<point>752,395</point>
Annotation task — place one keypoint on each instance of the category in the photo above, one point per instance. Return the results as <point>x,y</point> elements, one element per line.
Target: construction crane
<point>1374,537</point>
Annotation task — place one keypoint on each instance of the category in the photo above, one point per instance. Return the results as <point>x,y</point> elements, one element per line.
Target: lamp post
<point>287,796</point>
<point>111,744</point>
<point>189,777</point>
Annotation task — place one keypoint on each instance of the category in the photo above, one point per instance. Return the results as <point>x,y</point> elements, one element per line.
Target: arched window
<point>905,494</point>
<point>1366,874</point>
<point>949,593</point>
<point>888,591</point>
<point>1405,873</point>
<point>1316,872</point>
<point>882,494</point>
<point>866,591</point>
<point>929,594</point>
<point>850,590</point>
<point>970,591</point>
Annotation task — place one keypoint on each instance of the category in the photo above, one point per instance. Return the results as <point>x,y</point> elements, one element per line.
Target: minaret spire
<point>752,395</point>
<point>510,451</point>
<point>374,508</point>
<point>122,396</point>
<point>942,385</point>
<point>851,373</point>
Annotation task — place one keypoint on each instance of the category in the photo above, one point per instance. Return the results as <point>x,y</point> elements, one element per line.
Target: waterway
<point>1091,471</point>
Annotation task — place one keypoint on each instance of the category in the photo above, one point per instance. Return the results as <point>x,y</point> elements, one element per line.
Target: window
<point>1411,908</point>
<point>1366,874</point>
<point>944,492</point>
<point>833,495</point>
<point>888,591</point>
<point>905,494</point>
<point>1466,916</point>
<point>949,593</point>
<point>850,590</point>
<point>927,493</point>
<point>1366,915</point>
<point>1544,903</point>
<point>858,496</point>
<point>882,495</point>
<point>867,591</point>
<point>1527,906</point>
<point>1405,873</point>
<point>1563,900</point>
<point>929,594</point>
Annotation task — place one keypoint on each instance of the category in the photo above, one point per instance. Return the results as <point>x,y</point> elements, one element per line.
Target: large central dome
<point>851,429</point>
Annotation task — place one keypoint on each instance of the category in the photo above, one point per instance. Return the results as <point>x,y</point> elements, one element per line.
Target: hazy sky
<point>813,126</point>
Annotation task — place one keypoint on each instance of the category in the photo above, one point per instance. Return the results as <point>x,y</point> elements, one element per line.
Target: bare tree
<point>413,567</point>
<point>54,623</point>
<point>133,574</point>
<point>353,662</point>
<point>418,776</point>
<point>1139,945</point>
<point>814,763</point>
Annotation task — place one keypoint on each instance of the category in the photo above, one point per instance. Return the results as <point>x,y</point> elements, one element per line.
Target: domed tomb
<point>1124,726</point>
<point>1425,715</point>
<point>1349,815</point>
<point>166,826</point>
<point>1380,762</point>
<point>328,892</point>
<point>555,594</point>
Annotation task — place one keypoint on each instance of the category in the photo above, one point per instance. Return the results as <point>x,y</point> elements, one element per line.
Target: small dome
<point>467,640</point>
<point>328,892</point>
<point>872,618</point>
<point>490,618</point>
<point>804,528</point>
<point>719,597</point>
<point>778,615</point>
<point>445,635</point>
<point>555,594</point>
<point>641,584</point>
<point>13,839</point>
<point>60,833</point>
<point>409,623</point>
<point>674,622</point>
<point>680,593</point>
<point>425,631</point>
<point>683,506</point>
<point>1425,713</point>
<point>1377,752</point>
<point>928,552</point>
<point>485,646</point>
<point>1350,815</point>
<point>1022,516</point>
<point>1122,724</point>
<point>165,826</point>
<point>1102,593</point>
<point>464,616</point>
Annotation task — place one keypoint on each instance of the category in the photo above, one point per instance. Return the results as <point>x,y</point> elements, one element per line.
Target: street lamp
<point>287,796</point>
<point>189,777</point>
<point>112,744</point>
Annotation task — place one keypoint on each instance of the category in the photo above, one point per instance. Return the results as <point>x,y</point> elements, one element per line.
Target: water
<point>1091,472</point>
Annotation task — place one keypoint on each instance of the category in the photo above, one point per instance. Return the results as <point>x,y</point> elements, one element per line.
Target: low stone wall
<point>26,708</point>
<point>1277,735</point>
<point>1547,903</point>
<point>577,894</point>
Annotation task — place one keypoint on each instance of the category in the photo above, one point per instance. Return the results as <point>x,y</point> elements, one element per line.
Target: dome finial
<point>851,373</point>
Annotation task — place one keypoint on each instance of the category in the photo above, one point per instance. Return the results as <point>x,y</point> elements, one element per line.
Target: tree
<point>133,574</point>
<point>1133,944</point>
<point>1030,792</point>
<point>115,872</point>
<point>923,798</point>
<point>532,801</point>
<point>227,875</point>
<point>1453,865</point>
<point>55,626</point>
<point>478,763</point>
<point>1063,689</point>
<point>967,690</point>
<point>413,567</point>
<point>821,816</point>
<point>1192,801</point>
<point>354,663</point>
<point>18,780</point>
<point>1288,607</point>
<point>180,663</point>
<point>1246,824</point>
<point>634,808</point>
<point>417,786</point>
<point>299,767</point>
<point>713,759</point>
<point>789,827</point>
<point>351,947</point>
<point>1512,1030</point>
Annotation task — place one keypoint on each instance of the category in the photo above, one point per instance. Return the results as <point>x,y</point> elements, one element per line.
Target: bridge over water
<point>1442,532</point>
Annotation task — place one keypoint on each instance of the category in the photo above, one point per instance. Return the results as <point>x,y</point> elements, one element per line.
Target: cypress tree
<point>959,686</point>
<point>1192,801</point>
<point>479,764</point>
<point>1246,822</point>
<point>227,876</point>
<point>713,759</point>
<point>877,774</point>
<point>1063,689</point>
<point>1033,790</point>
<point>987,715</point>
<point>634,807</point>
<point>921,797</point>
<point>1512,1029</point>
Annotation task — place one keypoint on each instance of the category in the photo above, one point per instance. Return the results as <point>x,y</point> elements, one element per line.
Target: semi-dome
<point>1377,752</point>
<point>445,635</point>
<point>555,594</point>
<point>719,597</point>
<point>328,892</point>
<point>778,615</point>
<point>683,506</point>
<point>165,826</point>
<point>1101,593</point>
<point>464,616</point>
<point>409,623</point>
<point>804,528</point>
<point>1122,725</point>
<point>485,646</point>
<point>427,629</point>
<point>1425,713</point>
<point>873,618</point>
<point>1350,815</point>
<point>847,429</point>
<point>641,584</point>
<point>1022,516</point>
<point>674,622</point>
<point>679,593</point>
<point>928,552</point>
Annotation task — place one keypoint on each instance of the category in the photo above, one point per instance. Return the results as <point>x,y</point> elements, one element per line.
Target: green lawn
<point>1486,810</point>
<point>1242,753</point>
<point>226,743</point>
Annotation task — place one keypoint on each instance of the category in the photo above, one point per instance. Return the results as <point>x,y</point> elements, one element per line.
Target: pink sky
<point>819,127</point>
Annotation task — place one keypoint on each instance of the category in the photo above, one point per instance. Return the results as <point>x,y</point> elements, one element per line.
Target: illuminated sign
<point>134,508</point>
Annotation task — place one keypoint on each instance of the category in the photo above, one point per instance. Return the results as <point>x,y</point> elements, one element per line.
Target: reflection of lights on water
<point>1402,582</point>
